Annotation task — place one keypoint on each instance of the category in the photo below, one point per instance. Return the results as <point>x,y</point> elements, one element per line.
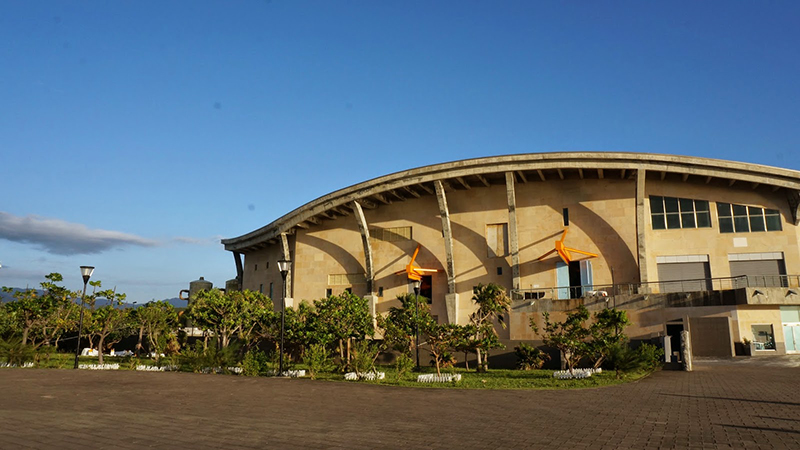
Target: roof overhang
<point>459,174</point>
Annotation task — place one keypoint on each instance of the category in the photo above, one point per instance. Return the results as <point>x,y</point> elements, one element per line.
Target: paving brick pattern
<point>719,405</point>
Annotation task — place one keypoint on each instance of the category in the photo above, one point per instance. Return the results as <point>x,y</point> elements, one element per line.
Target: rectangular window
<point>763,337</point>
<point>773,219</point>
<point>270,290</point>
<point>328,292</point>
<point>390,234</point>
<point>744,219</point>
<point>565,213</point>
<point>673,213</point>
<point>657,212</point>
<point>497,239</point>
<point>260,288</point>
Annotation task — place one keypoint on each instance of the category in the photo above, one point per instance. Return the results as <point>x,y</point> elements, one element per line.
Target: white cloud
<point>213,240</point>
<point>65,238</point>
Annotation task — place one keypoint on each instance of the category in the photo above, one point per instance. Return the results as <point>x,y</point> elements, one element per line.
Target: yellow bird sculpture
<point>413,272</point>
<point>564,251</point>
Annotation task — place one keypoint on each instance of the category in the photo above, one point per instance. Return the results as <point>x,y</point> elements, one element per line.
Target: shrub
<point>625,359</point>
<point>318,359</point>
<point>403,364</point>
<point>530,357</point>
<point>255,363</point>
<point>363,356</point>
<point>199,359</point>
<point>652,357</point>
<point>15,352</point>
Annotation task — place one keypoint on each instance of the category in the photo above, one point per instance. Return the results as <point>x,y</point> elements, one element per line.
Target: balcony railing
<point>658,287</point>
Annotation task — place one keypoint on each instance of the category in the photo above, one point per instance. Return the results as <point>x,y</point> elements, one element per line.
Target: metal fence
<point>657,287</point>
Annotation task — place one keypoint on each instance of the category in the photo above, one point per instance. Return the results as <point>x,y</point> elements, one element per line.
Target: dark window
<point>743,219</point>
<point>499,270</point>
<point>725,217</point>
<point>565,213</point>
<point>348,290</point>
<point>673,213</point>
<point>260,288</point>
<point>773,219</point>
<point>703,214</point>
<point>380,291</point>
<point>328,292</point>
<point>255,267</point>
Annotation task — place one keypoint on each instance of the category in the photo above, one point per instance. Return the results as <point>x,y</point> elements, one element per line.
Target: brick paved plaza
<point>719,405</point>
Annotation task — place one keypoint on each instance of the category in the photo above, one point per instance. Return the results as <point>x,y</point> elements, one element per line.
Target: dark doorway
<point>575,289</point>
<point>674,333</point>
<point>426,288</point>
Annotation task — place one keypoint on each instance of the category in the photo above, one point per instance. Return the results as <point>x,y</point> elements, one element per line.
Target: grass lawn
<point>494,379</point>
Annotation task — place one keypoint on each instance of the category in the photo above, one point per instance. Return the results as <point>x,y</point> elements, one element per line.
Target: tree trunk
<point>100,349</point>
<point>139,344</point>
<point>480,360</point>
<point>466,359</point>
<point>25,335</point>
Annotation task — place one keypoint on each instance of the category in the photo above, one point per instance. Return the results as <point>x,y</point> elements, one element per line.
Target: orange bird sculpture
<point>564,251</point>
<point>415,272</point>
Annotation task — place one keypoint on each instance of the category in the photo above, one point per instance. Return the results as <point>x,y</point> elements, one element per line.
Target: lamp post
<point>416,318</point>
<point>283,266</point>
<point>86,271</point>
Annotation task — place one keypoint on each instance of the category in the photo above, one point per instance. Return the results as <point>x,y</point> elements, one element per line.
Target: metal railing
<point>658,287</point>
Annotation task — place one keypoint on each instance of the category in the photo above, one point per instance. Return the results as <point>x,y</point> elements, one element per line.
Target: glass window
<point>687,220</point>
<point>763,337</point>
<point>757,223</point>
<point>741,224</point>
<point>724,209</point>
<point>742,219</point>
<point>656,204</point>
<point>673,213</point>
<point>703,219</point>
<point>773,219</point>
<point>670,204</point>
<point>659,222</point>
<point>673,221</point>
<point>725,225</point>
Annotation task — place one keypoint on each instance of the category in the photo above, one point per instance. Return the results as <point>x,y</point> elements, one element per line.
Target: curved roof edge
<point>479,167</point>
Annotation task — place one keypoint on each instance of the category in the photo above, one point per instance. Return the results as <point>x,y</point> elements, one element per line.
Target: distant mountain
<point>174,301</point>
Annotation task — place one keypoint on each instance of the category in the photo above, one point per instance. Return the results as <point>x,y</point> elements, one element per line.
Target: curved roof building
<point>556,229</point>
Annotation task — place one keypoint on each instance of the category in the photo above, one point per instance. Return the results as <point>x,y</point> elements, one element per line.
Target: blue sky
<point>135,135</point>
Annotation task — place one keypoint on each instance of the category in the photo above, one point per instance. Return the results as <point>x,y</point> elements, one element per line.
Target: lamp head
<point>283,267</point>
<point>86,272</point>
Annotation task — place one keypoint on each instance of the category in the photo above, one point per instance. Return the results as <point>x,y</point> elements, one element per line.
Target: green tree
<point>569,337</point>
<point>32,311</point>
<point>344,318</point>
<point>157,320</point>
<point>227,314</point>
<point>109,322</point>
<point>606,331</point>
<point>442,338</point>
<point>399,324</point>
<point>492,304</point>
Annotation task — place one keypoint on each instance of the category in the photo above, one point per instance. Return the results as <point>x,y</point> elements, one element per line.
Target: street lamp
<point>283,266</point>
<point>416,319</point>
<point>86,271</point>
